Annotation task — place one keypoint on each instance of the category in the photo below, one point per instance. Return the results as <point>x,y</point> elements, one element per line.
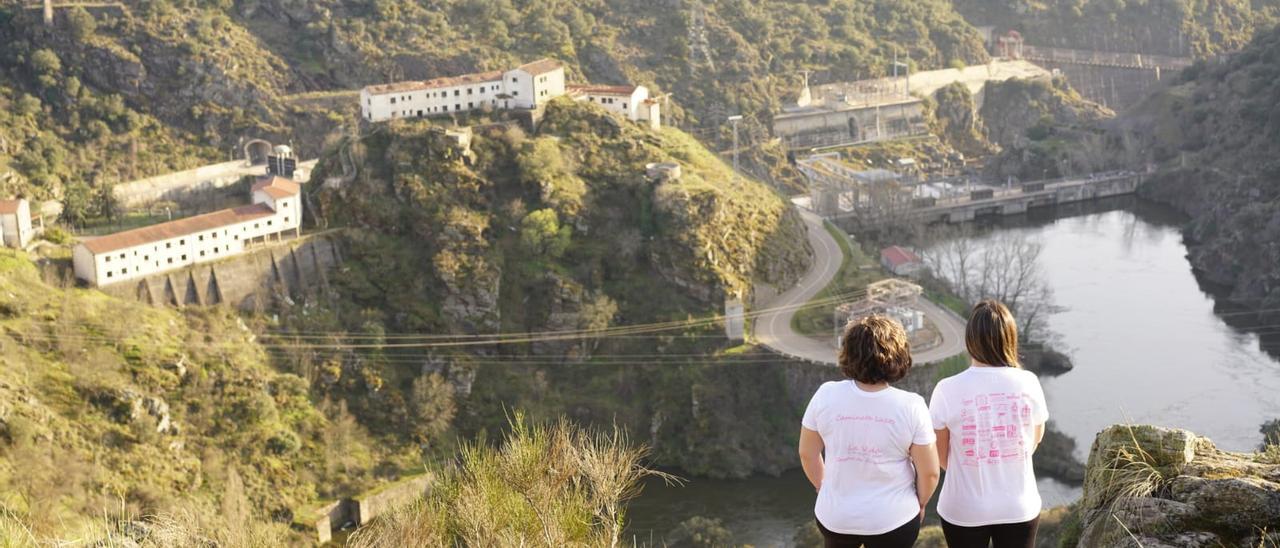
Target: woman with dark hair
<point>880,466</point>
<point>989,420</point>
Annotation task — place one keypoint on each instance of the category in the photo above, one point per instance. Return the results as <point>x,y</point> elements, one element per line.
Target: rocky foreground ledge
<point>1153,487</point>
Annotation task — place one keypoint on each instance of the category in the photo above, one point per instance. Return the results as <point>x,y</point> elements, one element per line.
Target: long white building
<point>276,209</point>
<point>15,223</point>
<point>524,87</point>
<point>528,86</point>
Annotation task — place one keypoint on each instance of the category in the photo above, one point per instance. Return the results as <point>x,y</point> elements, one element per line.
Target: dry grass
<point>552,485</point>
<point>185,527</point>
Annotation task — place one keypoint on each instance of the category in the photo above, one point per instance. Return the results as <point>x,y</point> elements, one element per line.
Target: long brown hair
<point>992,334</point>
<point>875,349</point>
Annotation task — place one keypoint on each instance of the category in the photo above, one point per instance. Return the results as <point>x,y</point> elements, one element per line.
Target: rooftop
<point>898,256</point>
<point>174,229</point>
<point>541,66</point>
<point>442,82</point>
<point>278,187</point>
<point>9,207</point>
<point>602,89</point>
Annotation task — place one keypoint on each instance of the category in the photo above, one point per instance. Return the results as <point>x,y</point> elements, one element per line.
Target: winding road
<point>773,328</point>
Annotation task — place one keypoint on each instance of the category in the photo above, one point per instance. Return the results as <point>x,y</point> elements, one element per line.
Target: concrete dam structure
<point>1113,79</point>
<point>989,202</point>
<point>292,268</point>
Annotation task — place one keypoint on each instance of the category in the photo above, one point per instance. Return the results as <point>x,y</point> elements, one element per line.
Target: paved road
<point>773,329</point>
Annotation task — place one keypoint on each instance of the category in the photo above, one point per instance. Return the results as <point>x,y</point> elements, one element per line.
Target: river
<point>1149,342</point>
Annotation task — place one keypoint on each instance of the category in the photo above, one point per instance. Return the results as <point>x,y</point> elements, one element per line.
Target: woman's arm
<point>925,458</point>
<point>944,446</point>
<point>811,456</point>
<point>1039,437</point>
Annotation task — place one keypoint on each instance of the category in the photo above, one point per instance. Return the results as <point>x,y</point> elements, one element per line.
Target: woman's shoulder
<point>907,396</point>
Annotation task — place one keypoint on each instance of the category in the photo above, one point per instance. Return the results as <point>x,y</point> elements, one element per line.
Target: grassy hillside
<point>110,409</point>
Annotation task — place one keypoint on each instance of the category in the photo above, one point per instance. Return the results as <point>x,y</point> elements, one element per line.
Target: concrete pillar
<point>48,12</point>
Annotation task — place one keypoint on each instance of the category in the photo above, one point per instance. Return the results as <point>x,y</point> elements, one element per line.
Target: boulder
<point>1154,487</point>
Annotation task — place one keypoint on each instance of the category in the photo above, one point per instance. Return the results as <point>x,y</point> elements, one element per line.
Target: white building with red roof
<point>633,102</point>
<point>900,261</point>
<point>527,86</point>
<point>15,223</point>
<point>276,211</point>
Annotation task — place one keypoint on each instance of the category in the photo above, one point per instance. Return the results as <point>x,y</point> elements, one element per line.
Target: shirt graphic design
<point>992,428</point>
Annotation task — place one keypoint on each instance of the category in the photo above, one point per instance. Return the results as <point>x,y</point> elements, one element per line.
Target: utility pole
<point>48,12</point>
<point>906,69</point>
<point>734,120</point>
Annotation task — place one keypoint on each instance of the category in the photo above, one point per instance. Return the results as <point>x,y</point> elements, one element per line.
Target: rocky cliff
<point>1215,137</point>
<point>1043,128</point>
<point>1155,487</point>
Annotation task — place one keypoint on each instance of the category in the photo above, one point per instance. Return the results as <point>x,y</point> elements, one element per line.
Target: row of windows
<point>434,110</point>
<point>136,269</point>
<point>441,94</point>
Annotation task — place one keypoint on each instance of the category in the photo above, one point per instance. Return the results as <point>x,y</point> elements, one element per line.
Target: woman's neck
<point>976,363</point>
<point>865,387</point>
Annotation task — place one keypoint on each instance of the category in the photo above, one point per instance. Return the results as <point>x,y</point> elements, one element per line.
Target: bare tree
<point>1005,267</point>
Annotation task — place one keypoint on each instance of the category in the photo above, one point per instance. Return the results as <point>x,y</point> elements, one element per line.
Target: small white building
<point>633,102</point>
<point>900,261</point>
<point>525,87</point>
<point>15,223</point>
<point>275,211</point>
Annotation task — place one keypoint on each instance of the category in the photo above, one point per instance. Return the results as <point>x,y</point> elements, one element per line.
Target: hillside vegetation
<point>111,94</point>
<point>555,231</point>
<point>1216,137</point>
<point>1197,28</point>
<point>110,409</point>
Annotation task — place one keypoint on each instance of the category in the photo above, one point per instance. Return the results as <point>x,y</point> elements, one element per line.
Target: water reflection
<point>1149,341</point>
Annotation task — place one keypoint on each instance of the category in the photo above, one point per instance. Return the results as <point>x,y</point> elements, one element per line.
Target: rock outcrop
<point>1148,486</point>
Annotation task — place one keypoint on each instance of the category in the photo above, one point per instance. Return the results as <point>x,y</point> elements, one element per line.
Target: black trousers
<point>1005,535</point>
<point>902,537</point>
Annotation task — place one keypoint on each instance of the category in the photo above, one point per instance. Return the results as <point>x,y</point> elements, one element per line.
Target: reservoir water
<point>1149,342</point>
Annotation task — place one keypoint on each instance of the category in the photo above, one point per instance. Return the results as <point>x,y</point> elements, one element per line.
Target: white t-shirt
<point>868,484</point>
<point>992,413</point>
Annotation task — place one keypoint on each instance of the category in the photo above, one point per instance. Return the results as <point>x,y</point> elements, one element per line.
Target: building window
<point>184,256</point>
<point>182,242</point>
<point>457,92</point>
<point>146,257</point>
<point>514,80</point>
<point>286,219</point>
<point>201,252</point>
<point>108,258</point>
<point>514,93</point>
<point>170,260</point>
<point>457,107</point>
<point>468,91</point>
<point>393,100</point>
<point>268,223</point>
<point>255,225</point>
<point>124,271</point>
<point>471,105</point>
<point>108,273</point>
<point>201,237</point>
